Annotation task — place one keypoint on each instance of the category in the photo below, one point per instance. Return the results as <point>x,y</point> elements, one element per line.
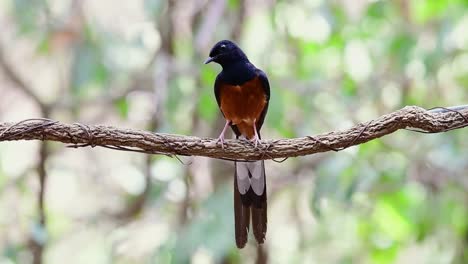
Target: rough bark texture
<point>80,135</point>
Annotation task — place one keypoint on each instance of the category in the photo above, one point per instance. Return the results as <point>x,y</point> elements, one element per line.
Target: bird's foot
<point>221,136</point>
<point>256,141</point>
<point>256,138</point>
<point>221,139</point>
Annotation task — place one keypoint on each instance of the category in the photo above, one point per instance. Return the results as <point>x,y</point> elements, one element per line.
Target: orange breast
<point>243,104</point>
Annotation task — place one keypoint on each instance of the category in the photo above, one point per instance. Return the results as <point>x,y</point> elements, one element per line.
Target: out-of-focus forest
<point>139,64</point>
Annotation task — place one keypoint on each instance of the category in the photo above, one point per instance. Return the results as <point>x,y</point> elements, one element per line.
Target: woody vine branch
<point>78,135</point>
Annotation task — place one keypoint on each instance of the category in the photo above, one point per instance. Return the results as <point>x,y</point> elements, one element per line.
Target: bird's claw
<point>221,136</point>
<point>256,141</point>
<point>220,139</point>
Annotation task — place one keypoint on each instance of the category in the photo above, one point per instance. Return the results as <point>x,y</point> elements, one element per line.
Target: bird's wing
<point>266,87</point>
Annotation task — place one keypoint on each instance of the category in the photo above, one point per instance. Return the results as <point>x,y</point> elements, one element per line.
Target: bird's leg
<point>221,136</point>
<point>255,139</point>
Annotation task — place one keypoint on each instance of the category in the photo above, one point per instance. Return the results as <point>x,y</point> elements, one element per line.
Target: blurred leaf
<point>336,41</point>
<point>233,4</point>
<point>44,45</point>
<point>424,10</point>
<point>368,149</point>
<point>174,97</point>
<point>385,255</point>
<point>309,47</point>
<point>377,9</point>
<point>462,80</point>
<point>416,95</point>
<point>156,191</point>
<point>208,76</point>
<point>122,106</point>
<point>453,210</point>
<point>11,252</point>
<point>401,47</point>
<point>349,87</point>
<point>163,255</point>
<point>351,188</point>
<point>390,220</point>
<point>275,110</point>
<point>88,70</point>
<point>207,107</point>
<point>398,214</point>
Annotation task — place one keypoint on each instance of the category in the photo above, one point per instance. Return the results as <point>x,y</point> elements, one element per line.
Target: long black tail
<point>250,201</point>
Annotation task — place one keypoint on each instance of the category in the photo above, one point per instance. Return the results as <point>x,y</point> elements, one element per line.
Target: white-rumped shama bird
<point>243,92</point>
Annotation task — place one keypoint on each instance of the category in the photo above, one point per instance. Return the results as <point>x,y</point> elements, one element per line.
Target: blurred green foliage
<point>399,199</point>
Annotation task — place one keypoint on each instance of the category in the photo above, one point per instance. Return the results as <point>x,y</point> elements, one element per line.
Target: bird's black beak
<point>210,59</point>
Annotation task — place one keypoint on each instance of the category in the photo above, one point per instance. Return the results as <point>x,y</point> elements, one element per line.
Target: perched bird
<point>243,92</point>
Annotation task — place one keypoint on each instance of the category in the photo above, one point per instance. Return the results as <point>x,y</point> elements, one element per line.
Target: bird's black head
<point>225,53</point>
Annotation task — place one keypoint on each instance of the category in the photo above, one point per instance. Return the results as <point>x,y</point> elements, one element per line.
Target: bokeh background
<point>139,64</point>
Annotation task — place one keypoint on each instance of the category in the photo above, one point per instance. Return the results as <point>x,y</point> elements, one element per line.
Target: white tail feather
<point>257,179</point>
<point>243,180</point>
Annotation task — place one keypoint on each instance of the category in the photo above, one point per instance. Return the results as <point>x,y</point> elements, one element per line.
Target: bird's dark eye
<point>222,47</point>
